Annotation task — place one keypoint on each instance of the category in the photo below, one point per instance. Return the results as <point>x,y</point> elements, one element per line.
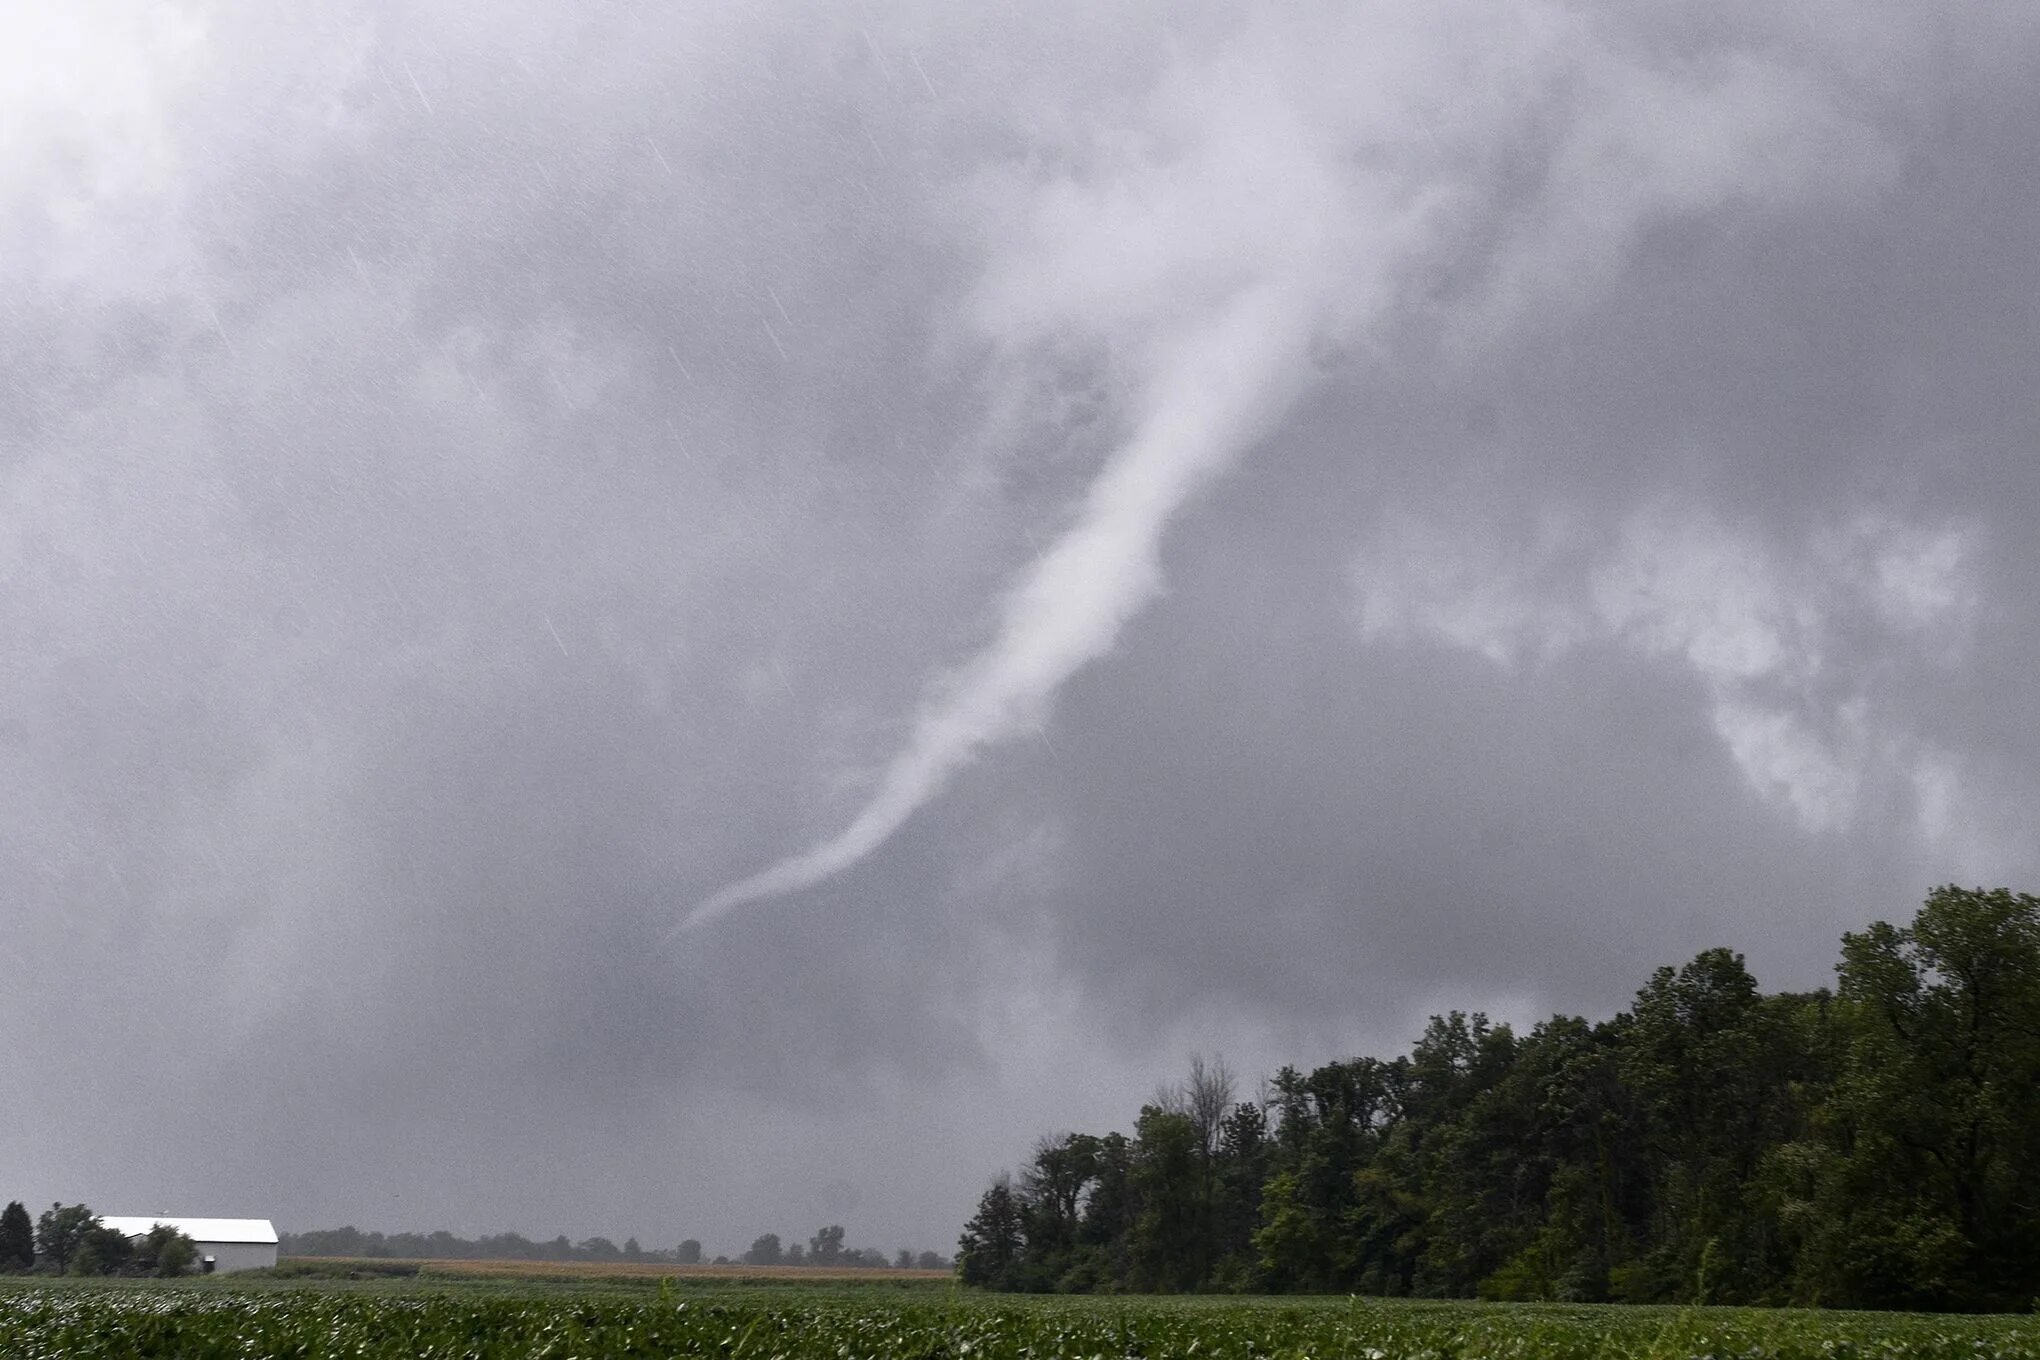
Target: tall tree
<point>165,1252</point>
<point>989,1252</point>
<point>1329,1125</point>
<point>1172,1234</point>
<point>1240,1167</point>
<point>17,1238</point>
<point>1934,1182</point>
<point>101,1251</point>
<point>59,1232</point>
<point>1711,1067</point>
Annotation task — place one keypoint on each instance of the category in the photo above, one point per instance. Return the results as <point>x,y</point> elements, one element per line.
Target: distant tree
<point>599,1249</point>
<point>795,1255</point>
<point>689,1253</point>
<point>17,1238</point>
<point>825,1248</point>
<point>347,1241</point>
<point>631,1250</point>
<point>904,1260</point>
<point>101,1251</point>
<point>59,1231</point>
<point>165,1252</point>
<point>504,1246</point>
<point>722,1261</point>
<point>929,1260</point>
<point>764,1251</point>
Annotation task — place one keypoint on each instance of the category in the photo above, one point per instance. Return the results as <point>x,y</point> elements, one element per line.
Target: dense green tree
<point>1563,1196</point>
<point>1931,1179</point>
<point>1329,1125</point>
<point>1053,1192</point>
<point>765,1251</point>
<point>59,1231</point>
<point>17,1238</point>
<point>989,1252</point>
<point>1241,1165</point>
<point>165,1252</point>
<point>101,1251</point>
<point>1879,1146</point>
<point>1171,1244</point>
<point>1110,1208</point>
<point>1712,1068</point>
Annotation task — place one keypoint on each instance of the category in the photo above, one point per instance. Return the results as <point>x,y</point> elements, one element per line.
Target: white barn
<point>224,1244</point>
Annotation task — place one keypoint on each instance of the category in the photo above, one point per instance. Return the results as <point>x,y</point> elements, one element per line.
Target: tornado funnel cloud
<point>1213,393</point>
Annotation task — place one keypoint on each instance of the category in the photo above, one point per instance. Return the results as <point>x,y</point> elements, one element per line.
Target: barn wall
<point>231,1256</point>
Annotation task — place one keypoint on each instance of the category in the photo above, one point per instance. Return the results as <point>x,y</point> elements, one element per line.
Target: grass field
<point>490,1315</point>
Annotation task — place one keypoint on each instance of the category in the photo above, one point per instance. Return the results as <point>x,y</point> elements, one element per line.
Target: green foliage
<point>17,1238</point>
<point>165,1252</point>
<point>101,1251</point>
<point>70,1240</point>
<point>1171,1236</point>
<point>1934,1172</point>
<point>342,1268</point>
<point>1877,1147</point>
<point>989,1251</point>
<point>59,1233</point>
<point>390,1321</point>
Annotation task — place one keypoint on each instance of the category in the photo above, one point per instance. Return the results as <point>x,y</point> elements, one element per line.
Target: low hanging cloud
<point>1273,206</point>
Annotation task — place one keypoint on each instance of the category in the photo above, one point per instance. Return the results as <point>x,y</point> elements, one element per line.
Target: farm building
<point>224,1244</point>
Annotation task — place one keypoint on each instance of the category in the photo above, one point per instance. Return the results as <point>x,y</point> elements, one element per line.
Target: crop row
<point>201,1324</point>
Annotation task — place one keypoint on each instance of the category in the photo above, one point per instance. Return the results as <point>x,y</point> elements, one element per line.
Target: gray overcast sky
<point>686,624</point>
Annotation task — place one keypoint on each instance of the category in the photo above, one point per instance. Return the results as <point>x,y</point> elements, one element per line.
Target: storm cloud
<point>1061,536</point>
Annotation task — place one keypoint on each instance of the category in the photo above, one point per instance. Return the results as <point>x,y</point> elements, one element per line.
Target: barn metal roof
<point>257,1230</point>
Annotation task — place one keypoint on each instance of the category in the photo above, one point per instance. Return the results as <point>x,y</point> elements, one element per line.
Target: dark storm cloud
<point>475,485</point>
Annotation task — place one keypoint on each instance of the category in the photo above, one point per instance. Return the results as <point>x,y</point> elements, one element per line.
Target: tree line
<point>69,1239</point>
<point>825,1248</point>
<point>1877,1145</point>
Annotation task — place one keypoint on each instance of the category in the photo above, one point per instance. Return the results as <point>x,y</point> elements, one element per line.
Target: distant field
<point>599,1270</point>
<point>488,1316</point>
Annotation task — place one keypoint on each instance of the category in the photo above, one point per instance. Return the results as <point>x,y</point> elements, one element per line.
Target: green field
<point>505,1318</point>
